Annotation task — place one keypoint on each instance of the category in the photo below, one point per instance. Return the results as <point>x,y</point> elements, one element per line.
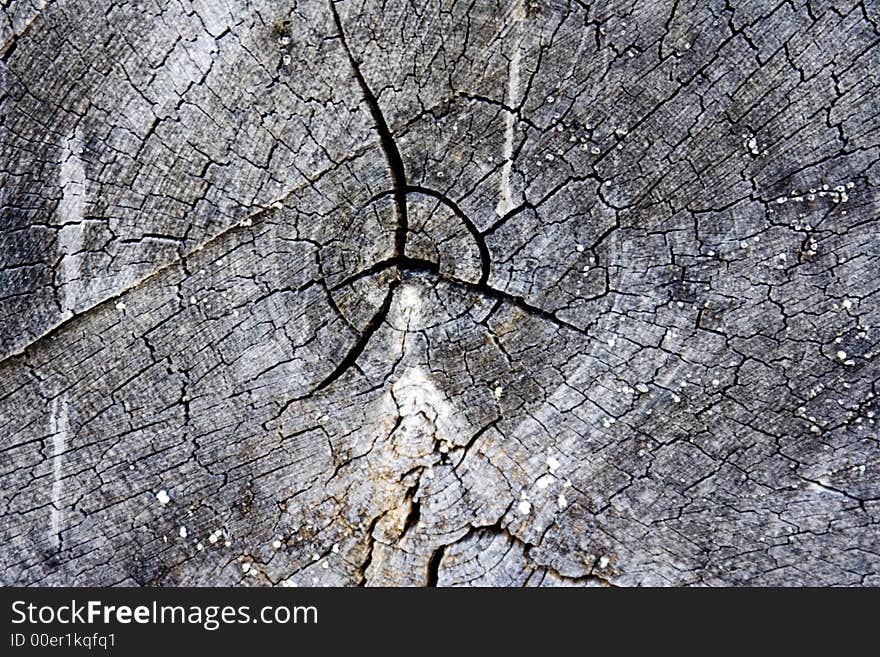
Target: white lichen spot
<point>163,497</point>
<point>182,532</point>
<point>552,464</point>
<point>276,544</point>
<point>524,507</point>
<point>841,355</point>
<point>561,502</point>
<point>120,306</point>
<point>752,146</point>
<point>545,481</point>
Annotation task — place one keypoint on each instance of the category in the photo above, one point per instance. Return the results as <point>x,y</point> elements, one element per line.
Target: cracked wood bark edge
<point>501,293</point>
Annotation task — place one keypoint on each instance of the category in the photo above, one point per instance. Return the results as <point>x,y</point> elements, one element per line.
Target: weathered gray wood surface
<point>439,292</point>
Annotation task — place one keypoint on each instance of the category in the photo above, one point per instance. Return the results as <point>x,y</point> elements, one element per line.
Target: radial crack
<point>358,347</point>
<point>392,154</point>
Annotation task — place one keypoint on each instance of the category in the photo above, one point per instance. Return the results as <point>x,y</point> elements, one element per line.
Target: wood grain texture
<point>439,293</point>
